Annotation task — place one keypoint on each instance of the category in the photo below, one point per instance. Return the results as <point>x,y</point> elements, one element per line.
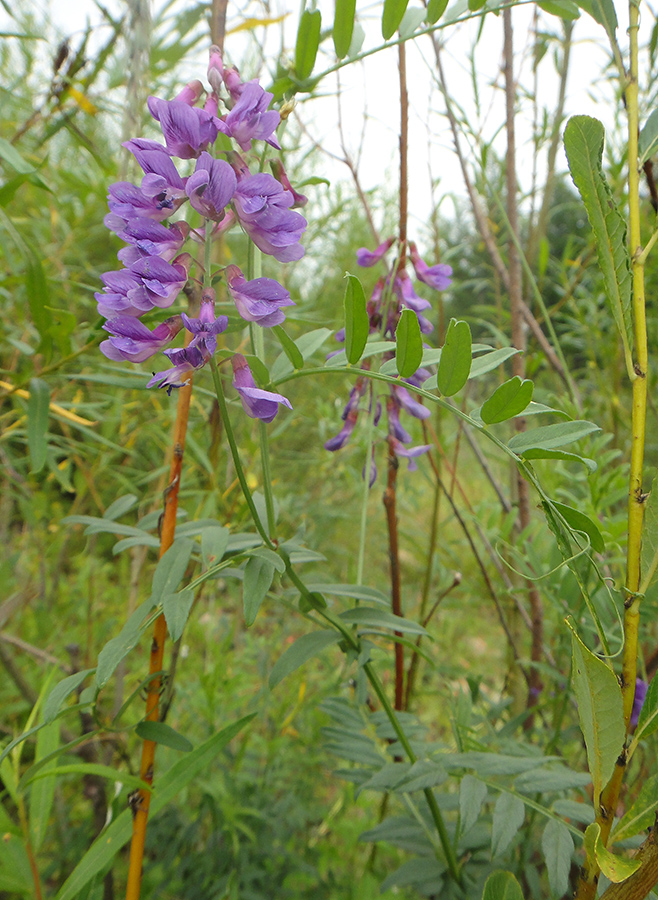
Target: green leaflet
<point>290,348</point>
<point>304,648</point>
<point>502,886</point>
<point>550,437</point>
<point>456,359</point>
<point>37,423</point>
<point>507,401</point>
<point>394,10</point>
<point>258,575</point>
<point>649,551</point>
<point>642,813</point>
<point>557,847</point>
<point>308,40</point>
<point>357,324</point>
<point>161,733</point>
<point>343,26</point>
<point>648,720</point>
<point>600,710</point>
<point>435,9</point>
<point>408,344</point>
<point>616,868</point>
<point>583,142</point>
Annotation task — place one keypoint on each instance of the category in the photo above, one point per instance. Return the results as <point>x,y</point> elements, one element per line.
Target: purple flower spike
<point>250,118</point>
<point>211,187</point>
<point>149,238</point>
<point>206,328</point>
<point>409,452</point>
<point>259,300</point>
<point>257,403</point>
<point>367,258</point>
<point>263,208</point>
<point>641,688</point>
<point>187,130</point>
<point>437,277</point>
<point>131,340</point>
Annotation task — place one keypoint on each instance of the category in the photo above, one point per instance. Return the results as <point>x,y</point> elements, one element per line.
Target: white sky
<point>371,89</point>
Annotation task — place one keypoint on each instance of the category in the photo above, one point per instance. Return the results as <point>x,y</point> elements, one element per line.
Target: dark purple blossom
<point>641,688</point>
<point>250,118</point>
<point>343,436</point>
<point>149,238</point>
<point>187,130</point>
<point>211,187</point>
<point>259,300</point>
<point>123,291</point>
<point>131,340</point>
<point>161,281</point>
<point>404,399</point>
<point>367,258</point>
<point>437,277</point>
<point>257,403</point>
<point>263,208</point>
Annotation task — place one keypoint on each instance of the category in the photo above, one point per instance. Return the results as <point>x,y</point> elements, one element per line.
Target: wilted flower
<point>367,258</point>
<point>259,300</point>
<point>281,175</point>
<point>257,403</point>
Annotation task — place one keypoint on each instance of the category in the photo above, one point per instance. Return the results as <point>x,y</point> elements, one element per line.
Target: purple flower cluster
<point>390,296</point>
<point>223,192</point>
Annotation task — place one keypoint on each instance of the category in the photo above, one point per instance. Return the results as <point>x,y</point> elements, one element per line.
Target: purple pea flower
<point>641,688</point>
<point>406,293</point>
<point>437,277</point>
<point>131,340</point>
<point>257,403</point>
<point>162,180</point>
<point>184,361</point>
<point>367,258</point>
<point>404,399</point>
<point>373,470</point>
<point>343,436</point>
<point>127,201</point>
<point>187,130</point>
<point>211,187</point>
<point>118,298</point>
<point>259,300</point>
<point>250,118</point>
<point>409,453</point>
<point>263,208</point>
<point>161,282</point>
<point>206,328</point>
<point>149,238</point>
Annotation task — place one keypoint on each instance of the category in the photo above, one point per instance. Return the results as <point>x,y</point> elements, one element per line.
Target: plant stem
<point>140,806</point>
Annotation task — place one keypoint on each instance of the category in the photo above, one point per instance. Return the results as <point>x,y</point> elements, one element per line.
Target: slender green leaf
<point>214,541</point>
<point>472,794</point>
<point>373,348</point>
<point>10,155</point>
<point>365,617</point>
<point>435,9</point>
<point>564,9</point>
<point>557,847</point>
<point>394,10</point>
<point>642,814</point>
<point>170,569</point>
<point>109,772</point>
<point>307,344</point>
<point>304,648</point>
<point>60,692</point>
<point>615,868</point>
<point>649,137</point>
<point>540,453</point>
<point>38,296</point>
<point>490,361</point>
<point>290,348</point>
<point>308,40</point>
<point>509,813</point>
<point>507,401</point>
<point>343,26</point>
<point>113,838</point>
<point>258,575</point>
<point>600,710</point>
<point>422,872</point>
<point>43,793</point>
<point>357,323</point>
<point>583,142</point>
<point>120,506</point>
<point>37,423</point>
<point>119,647</point>
<point>15,871</point>
<point>502,886</point>
<point>411,20</point>
<point>550,437</point>
<point>408,344</point>
<point>270,556</point>
<point>161,733</point>
<point>176,608</point>
<point>579,521</point>
<point>355,591</point>
<point>456,359</point>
